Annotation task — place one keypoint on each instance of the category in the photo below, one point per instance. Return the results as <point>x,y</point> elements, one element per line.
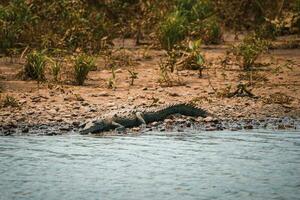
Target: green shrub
<point>297,17</point>
<point>16,20</point>
<point>201,10</point>
<point>267,30</point>
<point>55,69</point>
<point>194,59</point>
<point>212,31</point>
<point>83,65</point>
<point>52,24</point>
<point>35,66</point>
<point>249,50</point>
<point>172,30</point>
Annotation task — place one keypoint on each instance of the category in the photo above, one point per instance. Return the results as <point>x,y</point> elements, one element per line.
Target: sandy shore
<point>65,106</point>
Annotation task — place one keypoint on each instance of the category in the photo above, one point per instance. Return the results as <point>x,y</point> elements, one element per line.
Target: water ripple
<point>190,165</point>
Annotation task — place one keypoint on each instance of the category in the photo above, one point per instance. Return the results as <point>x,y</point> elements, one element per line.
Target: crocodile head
<point>94,126</point>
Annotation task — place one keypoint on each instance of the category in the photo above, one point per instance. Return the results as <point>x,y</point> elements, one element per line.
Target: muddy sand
<point>57,108</point>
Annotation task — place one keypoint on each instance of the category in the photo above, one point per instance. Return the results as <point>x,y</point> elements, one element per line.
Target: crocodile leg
<point>120,127</point>
<point>140,117</point>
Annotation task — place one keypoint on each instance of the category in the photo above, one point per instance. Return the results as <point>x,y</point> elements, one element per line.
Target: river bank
<point>63,107</point>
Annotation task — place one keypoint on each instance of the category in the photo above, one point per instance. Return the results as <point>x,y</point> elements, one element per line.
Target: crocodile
<point>134,118</point>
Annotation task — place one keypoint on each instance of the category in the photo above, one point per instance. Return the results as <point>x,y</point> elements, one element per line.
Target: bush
<point>201,10</point>
<point>194,59</point>
<point>35,66</point>
<point>249,50</point>
<point>212,31</point>
<point>172,30</point>
<point>55,69</point>
<point>51,24</point>
<point>83,65</point>
<point>16,20</point>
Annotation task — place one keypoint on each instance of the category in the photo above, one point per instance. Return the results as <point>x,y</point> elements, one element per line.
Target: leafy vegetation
<point>51,24</point>
<point>172,30</point>
<point>82,66</point>
<point>194,59</point>
<point>132,75</point>
<point>35,66</point>
<point>55,69</point>
<point>249,50</point>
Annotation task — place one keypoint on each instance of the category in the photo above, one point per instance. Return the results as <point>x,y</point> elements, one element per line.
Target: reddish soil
<point>277,88</point>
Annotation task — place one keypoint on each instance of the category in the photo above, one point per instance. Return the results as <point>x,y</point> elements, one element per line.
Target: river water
<point>206,165</point>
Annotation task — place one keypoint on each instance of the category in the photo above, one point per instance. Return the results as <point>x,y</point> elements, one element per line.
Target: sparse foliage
<point>193,58</point>
<point>35,66</point>
<point>132,75</point>
<point>9,101</point>
<point>249,50</point>
<point>82,66</point>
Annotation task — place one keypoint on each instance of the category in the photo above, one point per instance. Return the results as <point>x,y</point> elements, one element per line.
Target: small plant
<point>212,31</point>
<point>249,50</point>
<point>172,30</point>
<point>132,75</point>
<point>55,69</point>
<point>194,60</point>
<point>165,77</point>
<point>35,66</point>
<point>111,82</point>
<point>83,65</point>
<point>9,101</point>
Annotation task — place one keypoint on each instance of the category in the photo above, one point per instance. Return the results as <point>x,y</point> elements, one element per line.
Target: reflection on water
<point>214,165</point>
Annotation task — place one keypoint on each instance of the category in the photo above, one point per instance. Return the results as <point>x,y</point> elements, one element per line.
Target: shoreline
<point>66,106</point>
<point>71,123</point>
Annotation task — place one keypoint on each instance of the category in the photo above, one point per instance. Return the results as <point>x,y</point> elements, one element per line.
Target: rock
<point>131,99</point>
<point>93,110</point>
<point>76,124</point>
<point>65,128</point>
<point>248,126</point>
<point>30,112</point>
<point>168,121</point>
<point>173,94</point>
<point>211,128</point>
<point>58,119</point>
<point>85,104</point>
<point>22,101</point>
<point>208,119</point>
<point>188,124</point>
<point>136,129</point>
<point>281,126</point>
<point>76,107</point>
<point>160,90</point>
<point>111,105</point>
<point>52,133</point>
<point>25,130</point>
<point>101,94</point>
<point>154,123</point>
<point>144,88</point>
<point>180,121</point>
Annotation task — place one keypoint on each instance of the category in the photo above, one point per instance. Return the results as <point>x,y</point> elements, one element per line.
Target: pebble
<point>25,130</point>
<point>101,94</point>
<point>248,126</point>
<point>85,104</point>
<point>211,128</point>
<point>65,128</point>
